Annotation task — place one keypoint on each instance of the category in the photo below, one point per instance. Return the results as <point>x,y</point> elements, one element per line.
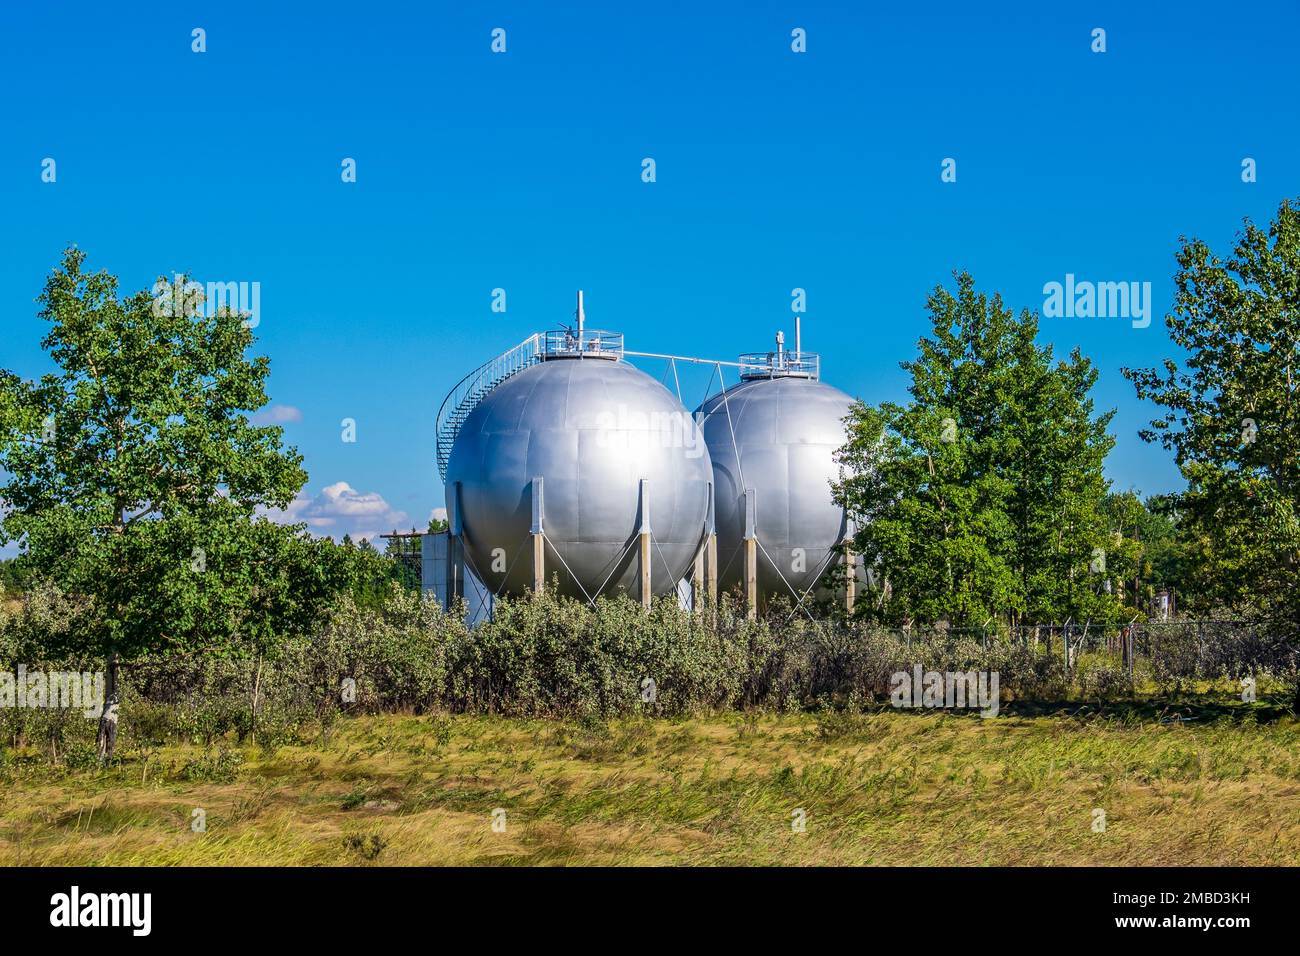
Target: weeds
<point>876,786</point>
<point>549,658</point>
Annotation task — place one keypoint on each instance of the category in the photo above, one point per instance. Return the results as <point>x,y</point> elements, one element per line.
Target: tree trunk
<point>107,738</point>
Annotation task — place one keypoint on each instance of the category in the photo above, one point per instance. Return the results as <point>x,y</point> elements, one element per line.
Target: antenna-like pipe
<point>582,318</point>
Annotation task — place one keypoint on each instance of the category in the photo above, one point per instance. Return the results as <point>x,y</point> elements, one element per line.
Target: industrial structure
<point>772,439</point>
<point>566,466</point>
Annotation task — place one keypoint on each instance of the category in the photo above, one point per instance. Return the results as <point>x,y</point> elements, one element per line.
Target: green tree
<point>1143,555</point>
<point>11,581</point>
<point>1231,415</point>
<point>980,497</point>
<point>1163,546</point>
<point>135,478</point>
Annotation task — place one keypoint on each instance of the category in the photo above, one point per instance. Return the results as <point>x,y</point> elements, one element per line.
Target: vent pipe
<point>582,318</point>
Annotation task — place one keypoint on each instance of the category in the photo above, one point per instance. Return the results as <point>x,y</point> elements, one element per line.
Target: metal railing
<point>460,401</point>
<point>779,364</point>
<point>589,343</point>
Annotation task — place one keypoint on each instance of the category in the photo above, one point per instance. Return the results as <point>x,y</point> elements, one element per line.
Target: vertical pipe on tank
<point>582,321</point>
<point>646,591</point>
<point>751,557</point>
<point>539,537</point>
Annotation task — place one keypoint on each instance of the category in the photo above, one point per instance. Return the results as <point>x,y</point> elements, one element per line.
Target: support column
<point>751,556</point>
<point>711,570</point>
<point>455,547</point>
<point>647,591</point>
<point>850,577</point>
<point>697,581</point>
<point>711,560</point>
<point>539,538</point>
<point>706,564</point>
<point>850,566</point>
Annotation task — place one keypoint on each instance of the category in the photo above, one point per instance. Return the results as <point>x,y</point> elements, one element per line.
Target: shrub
<point>547,657</point>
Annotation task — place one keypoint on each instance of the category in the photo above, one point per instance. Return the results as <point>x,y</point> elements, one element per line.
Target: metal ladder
<point>462,399</point>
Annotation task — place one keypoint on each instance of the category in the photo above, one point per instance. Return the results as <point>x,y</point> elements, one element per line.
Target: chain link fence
<point>1186,649</point>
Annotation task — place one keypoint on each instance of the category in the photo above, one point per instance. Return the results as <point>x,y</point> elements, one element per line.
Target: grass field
<point>881,788</point>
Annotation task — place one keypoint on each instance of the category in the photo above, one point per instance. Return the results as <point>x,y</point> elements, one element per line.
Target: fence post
<point>1129,645</point>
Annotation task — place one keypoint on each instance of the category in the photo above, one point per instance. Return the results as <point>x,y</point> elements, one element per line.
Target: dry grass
<point>884,788</point>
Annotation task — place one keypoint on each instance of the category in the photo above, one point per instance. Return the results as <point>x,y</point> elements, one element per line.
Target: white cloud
<point>340,509</point>
<point>277,415</point>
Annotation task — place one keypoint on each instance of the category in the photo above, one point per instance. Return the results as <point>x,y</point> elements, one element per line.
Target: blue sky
<point>522,171</point>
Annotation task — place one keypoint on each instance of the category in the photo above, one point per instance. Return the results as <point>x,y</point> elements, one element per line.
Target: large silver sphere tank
<point>592,428</point>
<point>786,429</point>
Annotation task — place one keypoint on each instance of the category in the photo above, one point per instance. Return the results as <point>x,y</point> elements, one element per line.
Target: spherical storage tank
<point>786,426</point>
<point>592,427</point>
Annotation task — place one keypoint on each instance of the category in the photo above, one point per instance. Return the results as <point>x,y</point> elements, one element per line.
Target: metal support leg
<point>647,592</point>
<point>539,537</point>
<point>850,577</point>
<point>751,556</point>
<point>697,582</point>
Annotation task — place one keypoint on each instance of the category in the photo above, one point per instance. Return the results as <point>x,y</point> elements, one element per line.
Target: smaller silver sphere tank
<point>786,430</point>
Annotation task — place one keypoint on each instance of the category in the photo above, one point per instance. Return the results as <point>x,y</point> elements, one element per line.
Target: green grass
<point>884,787</point>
